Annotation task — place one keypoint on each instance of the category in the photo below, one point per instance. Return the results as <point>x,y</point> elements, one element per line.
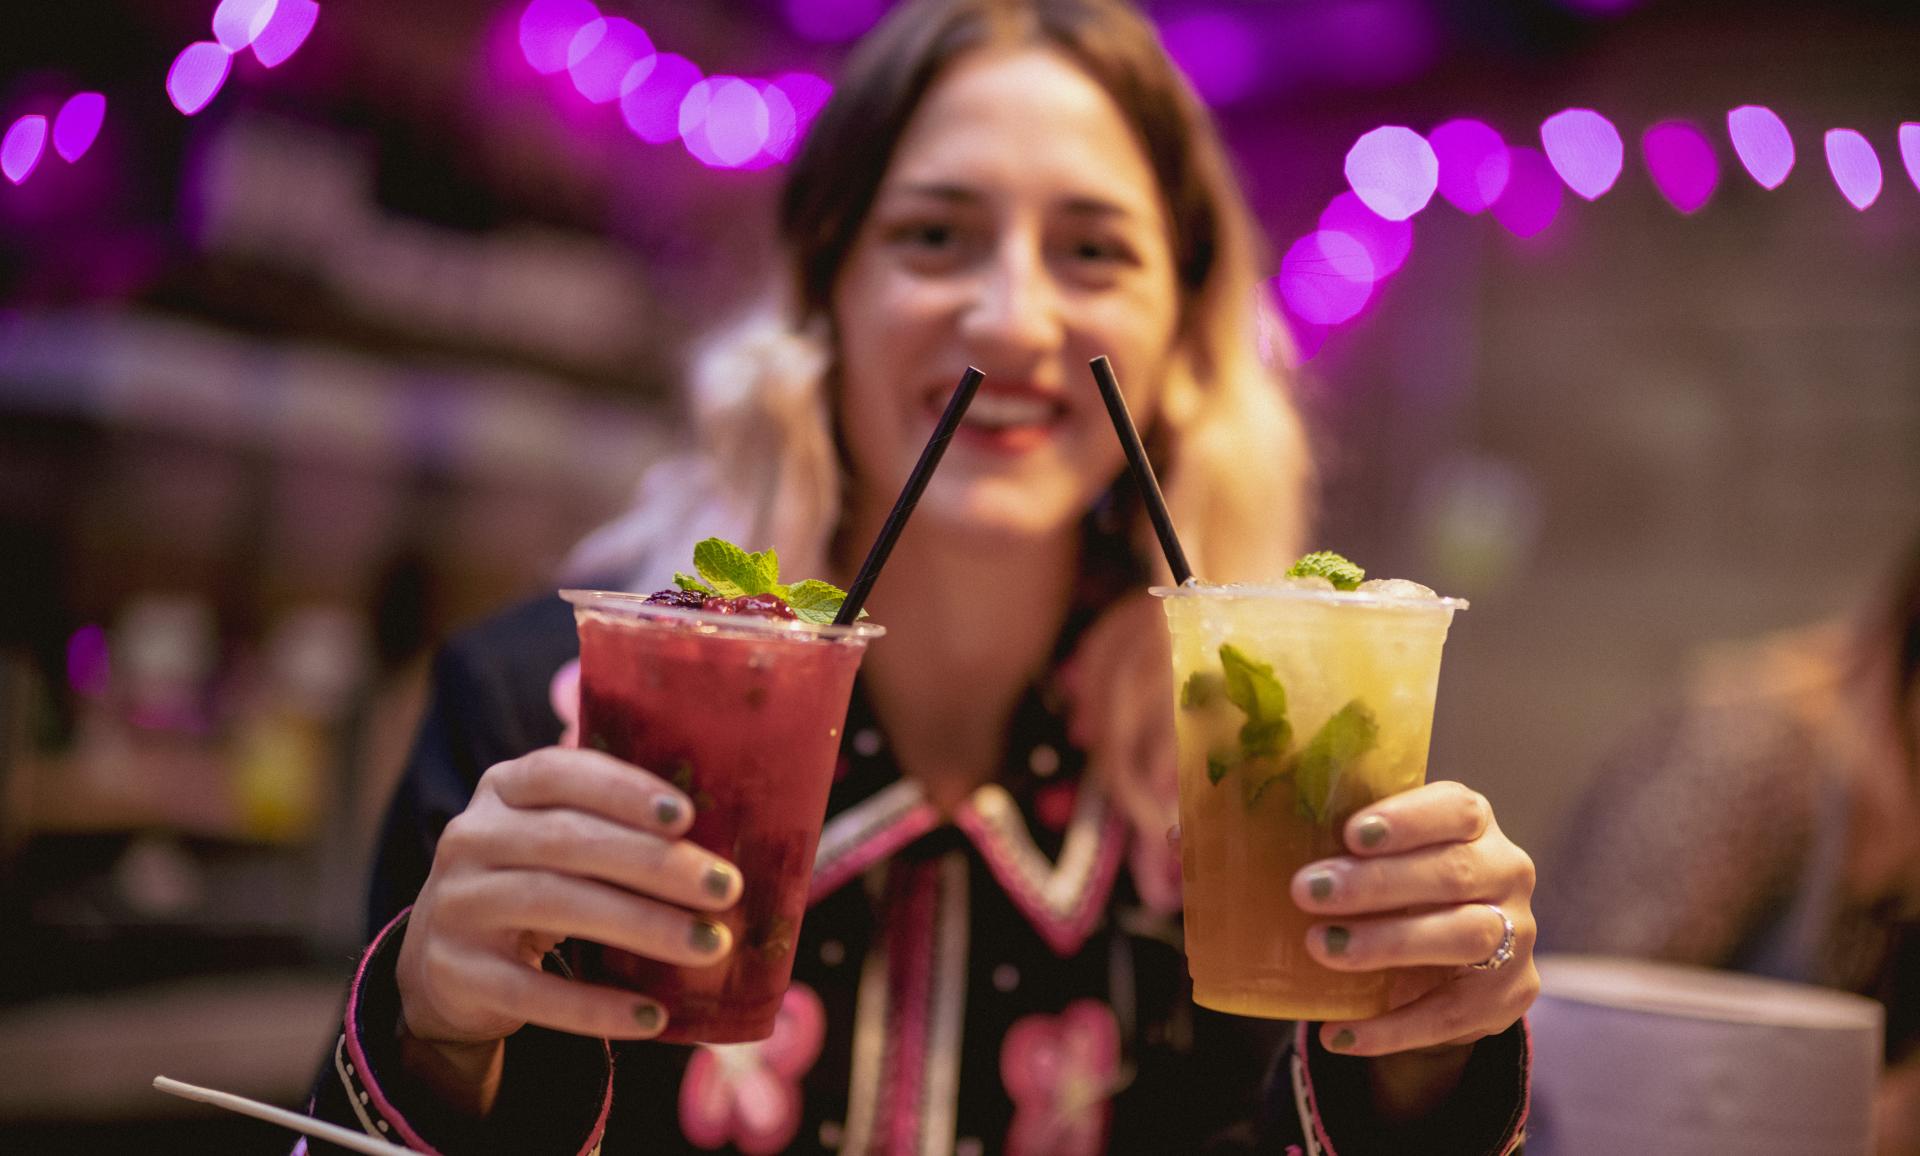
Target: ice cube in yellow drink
<point>1295,707</point>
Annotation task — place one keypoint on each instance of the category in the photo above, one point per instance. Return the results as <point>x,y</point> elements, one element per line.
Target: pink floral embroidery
<point>1059,1071</point>
<point>564,694</point>
<point>749,1094</point>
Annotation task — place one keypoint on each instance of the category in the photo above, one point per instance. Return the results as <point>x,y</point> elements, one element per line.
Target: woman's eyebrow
<point>1097,207</point>
<point>1080,205</point>
<point>936,190</point>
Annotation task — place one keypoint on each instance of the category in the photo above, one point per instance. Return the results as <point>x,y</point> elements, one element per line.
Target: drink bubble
<point>1309,582</point>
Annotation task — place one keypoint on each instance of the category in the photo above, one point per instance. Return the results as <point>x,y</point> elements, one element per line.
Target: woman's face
<point>1019,228</point>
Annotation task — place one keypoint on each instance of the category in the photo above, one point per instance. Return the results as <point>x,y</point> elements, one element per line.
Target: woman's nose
<point>1016,307</point>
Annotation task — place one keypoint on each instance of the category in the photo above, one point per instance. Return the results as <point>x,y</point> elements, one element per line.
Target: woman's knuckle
<point>1459,875</point>
<point>1526,874</point>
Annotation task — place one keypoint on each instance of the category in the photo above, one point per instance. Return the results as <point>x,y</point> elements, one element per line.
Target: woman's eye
<point>931,235</point>
<point>1101,252</point>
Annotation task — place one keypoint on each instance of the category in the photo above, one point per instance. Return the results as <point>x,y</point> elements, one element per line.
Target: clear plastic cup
<point>1357,674</point>
<point>742,713</point>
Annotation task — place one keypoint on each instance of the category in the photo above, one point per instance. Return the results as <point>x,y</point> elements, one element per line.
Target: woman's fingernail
<point>718,881</point>
<point>648,1016</point>
<point>668,810</point>
<point>1342,1040</point>
<point>1372,831</point>
<point>1320,885</point>
<point>1337,938</point>
<point>706,936</point>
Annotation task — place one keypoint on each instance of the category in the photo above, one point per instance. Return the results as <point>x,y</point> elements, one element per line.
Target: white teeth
<point>1001,411</point>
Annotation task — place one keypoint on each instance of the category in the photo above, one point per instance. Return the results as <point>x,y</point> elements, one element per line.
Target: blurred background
<point>326,329</point>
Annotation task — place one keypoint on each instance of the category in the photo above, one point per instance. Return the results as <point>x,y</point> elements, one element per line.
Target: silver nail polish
<point>706,936</point>
<point>668,810</point>
<point>717,880</point>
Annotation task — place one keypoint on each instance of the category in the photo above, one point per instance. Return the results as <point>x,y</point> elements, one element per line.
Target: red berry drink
<point>741,709</point>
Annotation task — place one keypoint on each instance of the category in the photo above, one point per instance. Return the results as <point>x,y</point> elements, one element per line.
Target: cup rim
<point>1263,590</point>
<point>630,605</point>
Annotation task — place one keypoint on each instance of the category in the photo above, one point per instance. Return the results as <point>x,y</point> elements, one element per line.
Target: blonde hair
<point>1227,440</point>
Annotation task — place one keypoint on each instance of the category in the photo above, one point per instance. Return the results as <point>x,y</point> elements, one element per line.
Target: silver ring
<point>1502,953</point>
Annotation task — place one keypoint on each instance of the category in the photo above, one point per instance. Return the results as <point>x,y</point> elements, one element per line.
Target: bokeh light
<point>1394,171</point>
<point>652,107</point>
<point>807,95</point>
<point>1855,167</point>
<point>1533,193</point>
<point>292,21</point>
<point>724,122</point>
<point>1585,149</point>
<point>78,124</point>
<point>197,74</point>
<point>1387,242</point>
<point>1326,277</point>
<point>1910,151</point>
<point>21,148</point>
<point>547,28</point>
<point>236,23</point>
<point>1218,50</point>
<point>89,669</point>
<point>608,58</point>
<point>1681,163</point>
<point>831,21</point>
<point>1762,142</point>
<point>1473,164</point>
<point>783,126</point>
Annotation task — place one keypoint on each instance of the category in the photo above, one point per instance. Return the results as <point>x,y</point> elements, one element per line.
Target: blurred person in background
<point>1020,185</point>
<point>1770,823</point>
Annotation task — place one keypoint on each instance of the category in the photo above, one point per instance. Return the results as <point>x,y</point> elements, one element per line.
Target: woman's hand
<point>557,844</point>
<point>1414,894</point>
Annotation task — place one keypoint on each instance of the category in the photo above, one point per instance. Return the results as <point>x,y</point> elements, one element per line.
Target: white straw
<point>331,1133</point>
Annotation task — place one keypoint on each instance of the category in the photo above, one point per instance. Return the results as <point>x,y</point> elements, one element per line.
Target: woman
<point>1019,185</point>
<point>1771,824</point>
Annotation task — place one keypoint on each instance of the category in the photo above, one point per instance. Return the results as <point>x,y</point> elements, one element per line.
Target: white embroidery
<point>1303,1106</point>
<point>356,1099</point>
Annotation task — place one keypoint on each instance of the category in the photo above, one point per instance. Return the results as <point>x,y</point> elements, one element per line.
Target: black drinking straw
<point>909,496</point>
<point>1142,469</point>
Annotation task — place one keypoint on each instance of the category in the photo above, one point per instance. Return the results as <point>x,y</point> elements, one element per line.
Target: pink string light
<point>1326,277</point>
<point>724,122</point>
<point>1855,167</point>
<point>78,124</point>
<point>237,23</point>
<point>1473,164</point>
<point>1762,142</point>
<point>1910,151</point>
<point>1681,163</point>
<point>651,108</point>
<point>1394,171</point>
<point>197,74</point>
<point>1585,149</point>
<point>21,148</point>
<point>608,58</point>
<point>1387,242</point>
<point>1532,197</point>
<point>292,22</point>
<point>547,29</point>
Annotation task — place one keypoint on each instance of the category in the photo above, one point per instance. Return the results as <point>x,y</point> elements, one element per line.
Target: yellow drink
<point>1295,707</point>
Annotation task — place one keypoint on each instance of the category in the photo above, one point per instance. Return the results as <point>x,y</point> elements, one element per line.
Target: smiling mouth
<point>1006,412</point>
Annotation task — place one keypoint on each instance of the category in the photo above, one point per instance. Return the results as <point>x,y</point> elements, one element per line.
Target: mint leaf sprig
<point>1326,564</point>
<point>727,571</point>
<point>1263,753</point>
